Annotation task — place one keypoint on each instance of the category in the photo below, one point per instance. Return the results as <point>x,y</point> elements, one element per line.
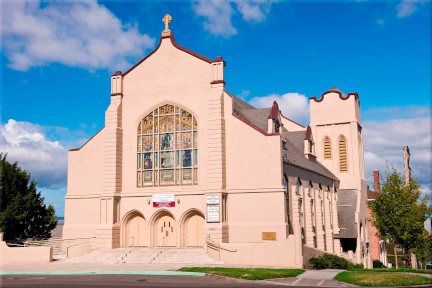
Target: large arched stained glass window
<point>167,148</point>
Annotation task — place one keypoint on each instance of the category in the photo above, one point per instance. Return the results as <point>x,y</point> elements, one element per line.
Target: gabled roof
<point>174,43</point>
<point>347,205</point>
<point>294,153</point>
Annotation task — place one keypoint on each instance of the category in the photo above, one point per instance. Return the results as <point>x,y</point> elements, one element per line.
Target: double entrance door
<point>166,231</point>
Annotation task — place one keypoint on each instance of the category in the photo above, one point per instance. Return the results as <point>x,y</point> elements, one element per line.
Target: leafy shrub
<point>378,264</point>
<point>329,261</point>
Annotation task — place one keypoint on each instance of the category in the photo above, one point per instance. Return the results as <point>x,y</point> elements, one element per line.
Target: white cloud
<point>293,105</point>
<point>45,160</point>
<point>78,34</point>
<point>253,10</point>
<point>407,7</point>
<point>384,141</point>
<point>218,13</point>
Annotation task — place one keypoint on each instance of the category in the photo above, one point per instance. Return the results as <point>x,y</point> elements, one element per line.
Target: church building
<point>181,162</point>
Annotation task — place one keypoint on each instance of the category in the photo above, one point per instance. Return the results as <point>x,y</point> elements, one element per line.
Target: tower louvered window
<point>327,148</point>
<point>343,164</point>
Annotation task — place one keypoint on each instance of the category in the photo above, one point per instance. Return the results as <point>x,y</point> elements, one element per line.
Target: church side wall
<point>86,167</point>
<point>254,182</point>
<point>85,183</point>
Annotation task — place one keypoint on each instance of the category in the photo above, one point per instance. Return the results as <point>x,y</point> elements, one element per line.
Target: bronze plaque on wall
<point>268,235</point>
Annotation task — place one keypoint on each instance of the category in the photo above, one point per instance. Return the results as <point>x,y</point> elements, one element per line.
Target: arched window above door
<point>167,148</point>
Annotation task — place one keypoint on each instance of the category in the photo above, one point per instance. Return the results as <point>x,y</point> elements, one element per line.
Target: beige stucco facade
<point>268,206</point>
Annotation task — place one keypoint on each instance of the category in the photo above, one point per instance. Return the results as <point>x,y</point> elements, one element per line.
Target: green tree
<point>23,213</point>
<point>398,213</point>
<point>424,251</point>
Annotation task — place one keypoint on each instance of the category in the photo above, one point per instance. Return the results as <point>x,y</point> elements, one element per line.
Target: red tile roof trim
<point>218,59</point>
<point>116,73</point>
<point>77,149</point>
<point>217,82</point>
<point>116,94</point>
<point>355,94</point>
<point>292,121</point>
<point>253,126</point>
<point>308,133</point>
<point>274,112</point>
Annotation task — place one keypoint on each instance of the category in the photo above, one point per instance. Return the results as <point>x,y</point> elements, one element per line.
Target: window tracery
<point>167,148</point>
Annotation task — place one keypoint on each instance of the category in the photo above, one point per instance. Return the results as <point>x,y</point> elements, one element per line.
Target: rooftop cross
<point>167,19</point>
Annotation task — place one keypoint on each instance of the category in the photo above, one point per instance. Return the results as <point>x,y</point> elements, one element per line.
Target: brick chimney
<point>376,181</point>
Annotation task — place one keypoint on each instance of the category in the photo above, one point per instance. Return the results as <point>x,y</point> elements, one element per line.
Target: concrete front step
<point>147,256</point>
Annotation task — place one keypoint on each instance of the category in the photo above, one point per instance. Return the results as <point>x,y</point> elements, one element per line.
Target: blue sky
<point>56,59</point>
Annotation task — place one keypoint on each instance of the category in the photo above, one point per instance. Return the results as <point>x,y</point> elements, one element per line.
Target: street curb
<point>164,273</point>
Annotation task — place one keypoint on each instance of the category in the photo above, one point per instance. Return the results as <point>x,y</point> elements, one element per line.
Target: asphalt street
<point>126,281</point>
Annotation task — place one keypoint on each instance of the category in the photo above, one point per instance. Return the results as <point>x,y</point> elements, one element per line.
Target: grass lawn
<point>381,279</point>
<point>421,271</point>
<point>246,273</point>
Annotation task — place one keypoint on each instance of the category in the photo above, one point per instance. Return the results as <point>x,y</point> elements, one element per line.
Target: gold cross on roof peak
<point>167,19</point>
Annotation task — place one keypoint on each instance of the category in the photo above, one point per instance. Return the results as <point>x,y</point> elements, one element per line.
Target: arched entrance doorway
<point>165,230</point>
<point>135,230</point>
<point>192,227</point>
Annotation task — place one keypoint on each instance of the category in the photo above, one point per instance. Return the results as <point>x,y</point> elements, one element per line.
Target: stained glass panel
<point>196,176</point>
<point>167,141</point>
<point>177,121</point>
<point>148,124</point>
<point>139,160</point>
<point>156,159</point>
<point>156,111</point>
<point>148,161</point>
<point>167,159</point>
<point>167,177</point>
<point>186,138</point>
<point>166,109</point>
<point>156,125</point>
<point>139,143</point>
<point>186,158</point>
<point>147,178</point>
<point>166,124</point>
<point>139,128</point>
<point>187,176</point>
<point>156,182</point>
<point>178,140</point>
<point>148,143</point>
<point>195,140</point>
<point>196,157</point>
<point>195,124</point>
<point>139,179</point>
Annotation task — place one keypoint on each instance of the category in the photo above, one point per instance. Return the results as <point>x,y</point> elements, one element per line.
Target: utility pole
<point>407,164</point>
<point>407,179</point>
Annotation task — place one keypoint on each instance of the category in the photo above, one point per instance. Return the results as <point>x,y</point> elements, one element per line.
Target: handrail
<point>217,245</point>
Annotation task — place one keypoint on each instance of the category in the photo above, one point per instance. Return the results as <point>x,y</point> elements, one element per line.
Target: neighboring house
<point>377,246</point>
<point>182,162</point>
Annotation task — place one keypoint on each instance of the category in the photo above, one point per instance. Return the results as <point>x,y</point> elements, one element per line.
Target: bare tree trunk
<point>396,260</point>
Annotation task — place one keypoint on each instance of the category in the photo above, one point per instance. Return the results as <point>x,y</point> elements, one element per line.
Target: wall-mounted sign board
<point>164,200</point>
<point>213,213</point>
<point>212,199</point>
<point>268,235</point>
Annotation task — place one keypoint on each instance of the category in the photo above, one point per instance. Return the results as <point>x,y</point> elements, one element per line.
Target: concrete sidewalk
<point>313,278</point>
